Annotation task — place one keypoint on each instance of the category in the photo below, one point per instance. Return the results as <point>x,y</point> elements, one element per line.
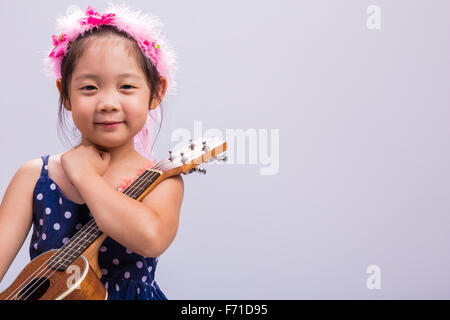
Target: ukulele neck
<point>90,232</point>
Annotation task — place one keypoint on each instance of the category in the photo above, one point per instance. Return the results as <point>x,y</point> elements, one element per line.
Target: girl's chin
<point>107,145</point>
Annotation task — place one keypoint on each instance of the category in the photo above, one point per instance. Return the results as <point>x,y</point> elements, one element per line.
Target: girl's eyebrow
<point>94,76</point>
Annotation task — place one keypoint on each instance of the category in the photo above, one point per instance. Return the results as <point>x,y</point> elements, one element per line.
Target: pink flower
<point>152,48</point>
<point>93,18</point>
<point>58,42</point>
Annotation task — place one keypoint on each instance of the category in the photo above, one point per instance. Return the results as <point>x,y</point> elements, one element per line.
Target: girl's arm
<point>146,228</point>
<point>16,212</point>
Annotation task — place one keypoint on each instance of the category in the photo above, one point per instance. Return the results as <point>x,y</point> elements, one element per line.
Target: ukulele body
<point>80,281</point>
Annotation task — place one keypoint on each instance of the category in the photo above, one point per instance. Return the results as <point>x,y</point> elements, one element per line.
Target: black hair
<point>75,51</point>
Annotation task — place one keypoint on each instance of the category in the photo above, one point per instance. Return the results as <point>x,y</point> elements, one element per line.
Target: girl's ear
<point>58,85</point>
<point>162,92</point>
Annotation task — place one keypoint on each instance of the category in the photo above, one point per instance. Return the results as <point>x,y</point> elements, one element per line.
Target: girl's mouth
<point>110,124</point>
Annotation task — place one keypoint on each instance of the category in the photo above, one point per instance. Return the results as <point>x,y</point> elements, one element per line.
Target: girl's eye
<point>128,85</point>
<point>125,85</point>
<point>87,87</point>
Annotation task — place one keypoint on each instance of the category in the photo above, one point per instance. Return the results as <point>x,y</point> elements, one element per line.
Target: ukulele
<point>50,275</point>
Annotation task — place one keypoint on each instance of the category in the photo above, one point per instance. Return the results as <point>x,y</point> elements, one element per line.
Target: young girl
<point>111,69</point>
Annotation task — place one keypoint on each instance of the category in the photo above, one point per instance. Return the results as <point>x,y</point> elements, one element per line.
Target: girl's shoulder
<point>24,180</point>
<point>31,170</point>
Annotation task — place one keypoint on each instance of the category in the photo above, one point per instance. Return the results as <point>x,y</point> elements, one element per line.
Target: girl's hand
<point>83,161</point>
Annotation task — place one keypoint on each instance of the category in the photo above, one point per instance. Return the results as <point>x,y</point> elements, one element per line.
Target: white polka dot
<point>48,210</point>
<point>106,285</point>
<point>41,222</point>
<point>138,290</point>
<point>65,240</point>
<point>46,167</point>
<point>35,245</point>
<point>128,251</point>
<point>60,200</point>
<point>40,196</point>
<point>56,226</point>
<point>103,249</point>
<point>104,271</point>
<point>67,214</point>
<point>78,226</point>
<point>115,261</point>
<point>126,275</point>
<point>53,186</point>
<point>44,236</point>
<point>117,287</point>
<point>144,278</point>
<point>150,269</point>
<point>139,264</point>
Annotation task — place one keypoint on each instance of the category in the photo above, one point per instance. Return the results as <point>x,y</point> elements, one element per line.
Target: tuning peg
<point>183,158</point>
<point>205,147</point>
<point>222,158</point>
<point>191,144</point>
<point>196,169</point>
<point>191,171</point>
<point>170,156</point>
<point>201,170</point>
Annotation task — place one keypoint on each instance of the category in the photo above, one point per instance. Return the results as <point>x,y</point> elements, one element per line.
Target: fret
<point>139,185</point>
<point>142,183</point>
<point>67,254</point>
<point>60,264</point>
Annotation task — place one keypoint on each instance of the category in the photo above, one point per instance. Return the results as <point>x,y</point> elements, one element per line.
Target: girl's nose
<point>109,101</point>
<point>107,107</point>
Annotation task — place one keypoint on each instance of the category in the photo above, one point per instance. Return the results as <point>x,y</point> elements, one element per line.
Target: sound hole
<point>34,290</point>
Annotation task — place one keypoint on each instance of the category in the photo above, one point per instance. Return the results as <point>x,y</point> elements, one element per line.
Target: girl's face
<point>108,86</point>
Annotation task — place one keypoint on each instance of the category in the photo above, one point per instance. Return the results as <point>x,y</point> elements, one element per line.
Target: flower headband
<point>143,28</point>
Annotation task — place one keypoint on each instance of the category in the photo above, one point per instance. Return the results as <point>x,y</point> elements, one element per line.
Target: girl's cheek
<point>81,114</point>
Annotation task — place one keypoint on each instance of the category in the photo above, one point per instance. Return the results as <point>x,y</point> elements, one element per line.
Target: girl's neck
<point>119,155</point>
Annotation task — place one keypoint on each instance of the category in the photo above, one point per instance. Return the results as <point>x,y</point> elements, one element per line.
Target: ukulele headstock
<point>186,159</point>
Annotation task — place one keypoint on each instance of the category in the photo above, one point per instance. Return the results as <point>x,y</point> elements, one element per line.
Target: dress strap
<point>44,171</point>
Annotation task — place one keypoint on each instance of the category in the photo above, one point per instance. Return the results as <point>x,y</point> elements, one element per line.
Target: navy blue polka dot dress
<point>56,219</point>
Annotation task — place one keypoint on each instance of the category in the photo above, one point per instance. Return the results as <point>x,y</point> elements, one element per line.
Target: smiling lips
<point>109,124</point>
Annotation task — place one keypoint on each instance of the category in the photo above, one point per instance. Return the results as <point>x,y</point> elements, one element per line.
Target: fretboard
<point>90,231</point>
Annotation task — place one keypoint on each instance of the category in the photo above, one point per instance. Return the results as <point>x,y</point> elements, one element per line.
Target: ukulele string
<point>140,184</point>
<point>50,270</point>
<point>159,165</point>
<point>24,283</point>
<point>137,187</point>
<point>62,254</point>
<point>128,191</point>
<point>57,254</point>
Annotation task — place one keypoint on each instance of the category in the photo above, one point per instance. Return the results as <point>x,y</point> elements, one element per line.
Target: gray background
<point>364,160</point>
